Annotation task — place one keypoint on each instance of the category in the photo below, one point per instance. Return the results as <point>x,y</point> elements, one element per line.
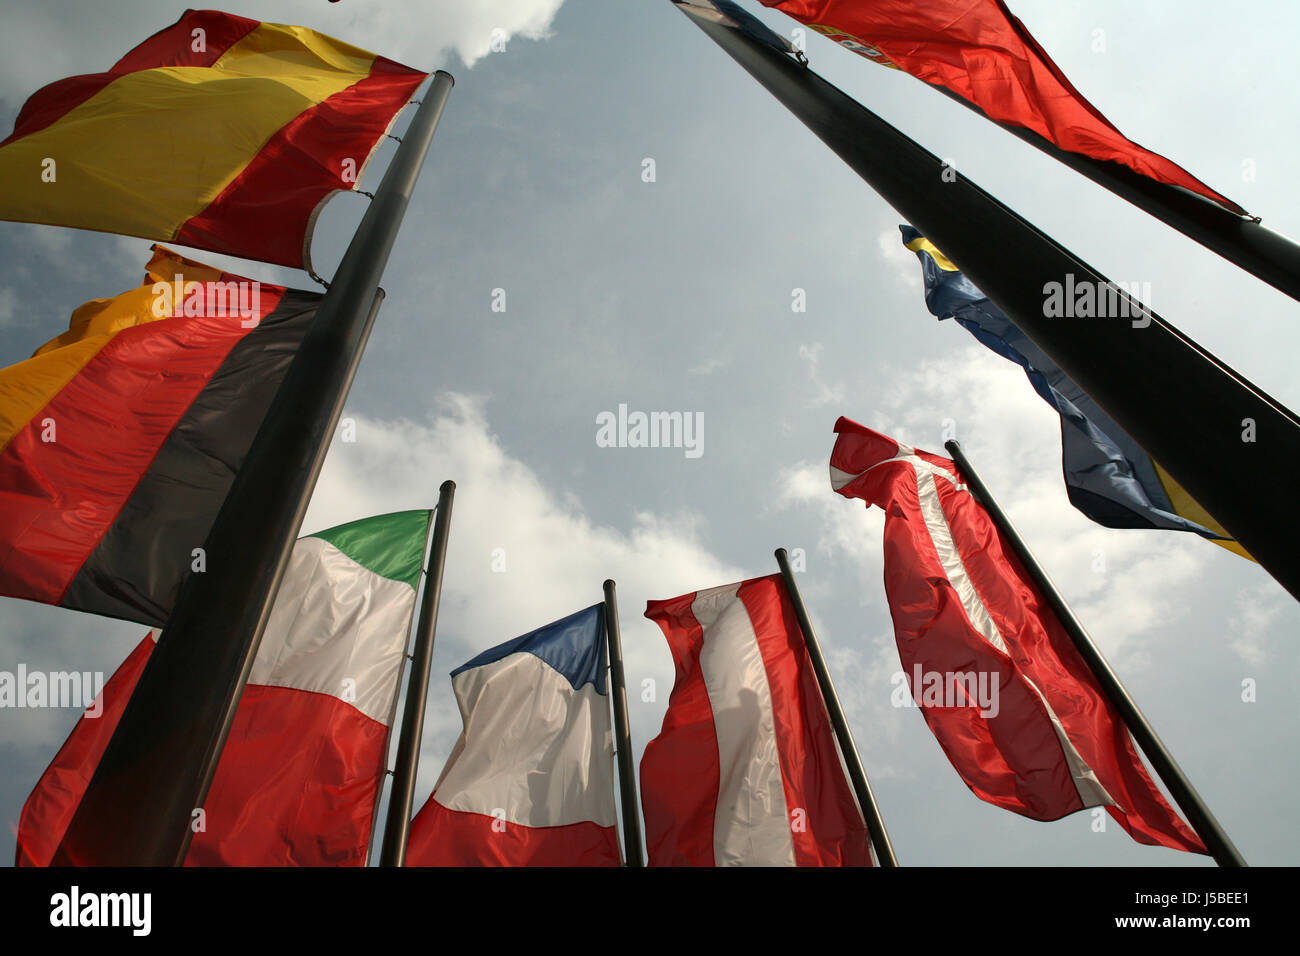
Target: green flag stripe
<point>391,545</point>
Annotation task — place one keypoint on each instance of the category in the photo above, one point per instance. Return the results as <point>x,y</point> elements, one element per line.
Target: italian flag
<point>302,768</point>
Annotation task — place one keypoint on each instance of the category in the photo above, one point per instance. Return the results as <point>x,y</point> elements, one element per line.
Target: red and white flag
<point>745,771</point>
<point>304,760</point>
<point>1000,683</point>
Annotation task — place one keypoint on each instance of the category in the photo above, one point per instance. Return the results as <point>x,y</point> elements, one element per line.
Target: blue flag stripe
<point>573,646</point>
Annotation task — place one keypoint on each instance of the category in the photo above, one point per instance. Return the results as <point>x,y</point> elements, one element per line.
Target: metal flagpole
<point>622,732</point>
<point>401,673</point>
<point>1162,761</point>
<point>397,827</point>
<point>1242,240</point>
<point>147,793</point>
<point>1212,430</point>
<point>848,749</point>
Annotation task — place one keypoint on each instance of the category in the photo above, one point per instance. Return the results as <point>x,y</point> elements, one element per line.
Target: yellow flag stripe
<point>29,386</point>
<point>925,245</point>
<point>1188,507</point>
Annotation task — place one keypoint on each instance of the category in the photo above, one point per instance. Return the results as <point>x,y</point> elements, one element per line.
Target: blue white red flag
<point>530,782</point>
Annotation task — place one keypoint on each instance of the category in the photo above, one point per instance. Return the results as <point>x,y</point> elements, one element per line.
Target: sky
<point>674,292</point>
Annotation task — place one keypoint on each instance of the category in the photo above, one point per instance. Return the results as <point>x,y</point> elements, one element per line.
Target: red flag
<point>745,770</point>
<point>998,679</point>
<point>978,50</point>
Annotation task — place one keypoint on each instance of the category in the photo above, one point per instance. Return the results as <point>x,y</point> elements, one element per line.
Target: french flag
<point>745,771</point>
<point>530,782</point>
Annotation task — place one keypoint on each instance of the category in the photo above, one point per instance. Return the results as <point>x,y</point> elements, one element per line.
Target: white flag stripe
<point>1086,784</point>
<point>525,754</point>
<point>337,628</point>
<point>751,824</point>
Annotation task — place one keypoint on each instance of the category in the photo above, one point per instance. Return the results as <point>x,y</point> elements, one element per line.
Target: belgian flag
<point>218,132</point>
<point>120,438</point>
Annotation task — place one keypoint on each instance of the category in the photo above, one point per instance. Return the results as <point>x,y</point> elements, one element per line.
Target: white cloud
<point>38,48</point>
<point>555,557</point>
<point>823,394</point>
<point>1258,620</point>
<point>902,263</point>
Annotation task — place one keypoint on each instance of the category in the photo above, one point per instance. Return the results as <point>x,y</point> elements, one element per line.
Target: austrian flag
<point>963,604</point>
<point>745,771</point>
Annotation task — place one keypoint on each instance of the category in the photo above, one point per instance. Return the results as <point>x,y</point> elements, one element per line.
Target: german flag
<point>120,438</point>
<point>219,132</point>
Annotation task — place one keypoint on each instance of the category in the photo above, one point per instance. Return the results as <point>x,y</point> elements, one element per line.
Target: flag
<point>217,132</point>
<point>745,771</point>
<point>977,50</point>
<point>120,438</point>
<point>1108,476</point>
<point>1000,683</point>
<point>530,781</point>
<point>301,770</point>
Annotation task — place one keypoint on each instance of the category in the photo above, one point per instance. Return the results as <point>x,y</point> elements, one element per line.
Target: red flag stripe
<point>679,819</point>
<point>175,45</point>
<point>252,816</point>
<point>826,824</point>
<point>443,837</point>
<point>302,165</point>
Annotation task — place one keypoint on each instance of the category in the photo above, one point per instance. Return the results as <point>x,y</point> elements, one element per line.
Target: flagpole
<point>848,748</point>
<point>401,673</point>
<point>397,826</point>
<point>1212,430</point>
<point>1162,761</point>
<point>145,800</point>
<point>1242,240</point>
<point>622,732</point>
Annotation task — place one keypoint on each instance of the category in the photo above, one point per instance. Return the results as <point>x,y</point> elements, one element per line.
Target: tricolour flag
<point>217,132</point>
<point>1000,683</point>
<point>745,771</point>
<point>1108,476</point>
<point>530,781</point>
<point>120,438</point>
<point>300,774</point>
<point>979,51</point>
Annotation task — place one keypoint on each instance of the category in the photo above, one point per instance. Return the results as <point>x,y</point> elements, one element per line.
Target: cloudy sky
<point>676,295</point>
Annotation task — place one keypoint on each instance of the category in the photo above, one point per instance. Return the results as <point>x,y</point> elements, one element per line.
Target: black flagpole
<point>397,826</point>
<point>1162,761</point>
<point>622,732</point>
<point>848,749</point>
<point>1186,408</point>
<point>401,675</point>
<point>1242,240</point>
<point>149,787</point>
